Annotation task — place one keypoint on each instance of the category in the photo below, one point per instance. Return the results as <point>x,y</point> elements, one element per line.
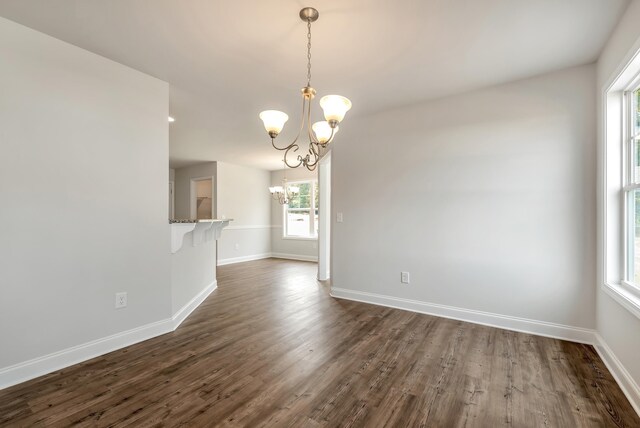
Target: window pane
<point>298,223</point>
<point>634,117</point>
<point>634,236</point>
<point>636,103</point>
<point>636,161</point>
<point>302,199</point>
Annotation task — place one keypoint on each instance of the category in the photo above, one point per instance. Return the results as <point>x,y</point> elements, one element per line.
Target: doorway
<point>324,218</point>
<point>202,198</point>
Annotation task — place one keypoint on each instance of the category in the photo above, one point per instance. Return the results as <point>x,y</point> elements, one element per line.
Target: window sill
<point>301,238</point>
<point>625,297</point>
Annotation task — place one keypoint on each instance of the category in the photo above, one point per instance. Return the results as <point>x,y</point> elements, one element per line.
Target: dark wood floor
<point>271,348</point>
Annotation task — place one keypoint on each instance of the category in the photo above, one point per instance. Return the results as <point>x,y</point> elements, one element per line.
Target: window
<point>631,136</point>
<point>301,214</point>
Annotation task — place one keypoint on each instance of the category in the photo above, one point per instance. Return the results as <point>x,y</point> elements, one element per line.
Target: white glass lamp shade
<point>273,120</point>
<point>272,189</point>
<point>275,189</point>
<point>323,131</point>
<point>334,107</point>
<point>294,189</point>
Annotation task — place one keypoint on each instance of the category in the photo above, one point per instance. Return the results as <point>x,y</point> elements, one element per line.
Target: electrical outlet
<point>339,218</point>
<point>237,246</point>
<point>404,277</point>
<point>121,300</point>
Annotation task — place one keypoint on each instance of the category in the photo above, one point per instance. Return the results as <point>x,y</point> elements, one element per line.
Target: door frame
<point>172,200</point>
<point>193,196</point>
<point>324,218</point>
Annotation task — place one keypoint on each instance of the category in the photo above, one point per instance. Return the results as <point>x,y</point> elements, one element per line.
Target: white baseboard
<point>242,259</point>
<point>186,310</point>
<point>249,258</point>
<point>40,366</point>
<point>619,373</point>
<point>295,257</point>
<point>540,328</point>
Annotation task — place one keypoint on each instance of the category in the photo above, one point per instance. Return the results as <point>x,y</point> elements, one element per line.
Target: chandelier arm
<point>310,133</point>
<point>273,143</point>
<point>304,101</point>
<point>316,157</point>
<point>312,167</point>
<point>333,134</point>
<point>320,147</point>
<point>313,142</point>
<point>295,148</point>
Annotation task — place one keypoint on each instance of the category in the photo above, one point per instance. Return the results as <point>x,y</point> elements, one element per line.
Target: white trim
<point>300,238</point>
<point>540,328</point>
<point>251,226</point>
<point>624,297</point>
<point>36,367</point>
<point>628,71</point>
<point>620,374</point>
<point>249,258</point>
<point>619,73</point>
<point>187,309</point>
<point>59,360</point>
<point>241,259</point>
<point>324,217</point>
<point>294,257</point>
<point>172,199</point>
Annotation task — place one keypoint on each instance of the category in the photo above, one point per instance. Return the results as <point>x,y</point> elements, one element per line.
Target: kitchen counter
<point>191,220</point>
<point>203,231</point>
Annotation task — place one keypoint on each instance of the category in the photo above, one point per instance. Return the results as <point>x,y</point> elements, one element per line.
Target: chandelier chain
<point>308,52</point>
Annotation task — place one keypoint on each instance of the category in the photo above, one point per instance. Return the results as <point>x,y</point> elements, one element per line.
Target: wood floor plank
<point>271,348</point>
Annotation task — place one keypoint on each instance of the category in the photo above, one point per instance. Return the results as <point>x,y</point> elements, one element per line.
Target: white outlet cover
<point>339,218</point>
<point>121,300</point>
<point>404,277</point>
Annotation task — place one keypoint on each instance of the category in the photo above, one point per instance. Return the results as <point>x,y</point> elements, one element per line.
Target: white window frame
<point>630,184</point>
<point>312,210</point>
<point>613,230</point>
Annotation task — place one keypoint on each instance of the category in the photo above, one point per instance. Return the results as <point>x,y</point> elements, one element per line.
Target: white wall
<point>243,195</point>
<point>290,247</point>
<point>619,328</point>
<point>72,232</point>
<point>183,177</point>
<point>193,269</point>
<point>486,198</point>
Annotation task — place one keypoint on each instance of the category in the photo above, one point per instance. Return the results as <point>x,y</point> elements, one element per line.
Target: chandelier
<point>320,134</point>
<point>283,194</point>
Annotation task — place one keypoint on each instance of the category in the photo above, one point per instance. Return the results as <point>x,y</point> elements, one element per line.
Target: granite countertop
<point>192,220</point>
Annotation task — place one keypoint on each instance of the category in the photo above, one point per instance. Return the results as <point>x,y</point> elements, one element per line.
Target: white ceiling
<point>228,60</point>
